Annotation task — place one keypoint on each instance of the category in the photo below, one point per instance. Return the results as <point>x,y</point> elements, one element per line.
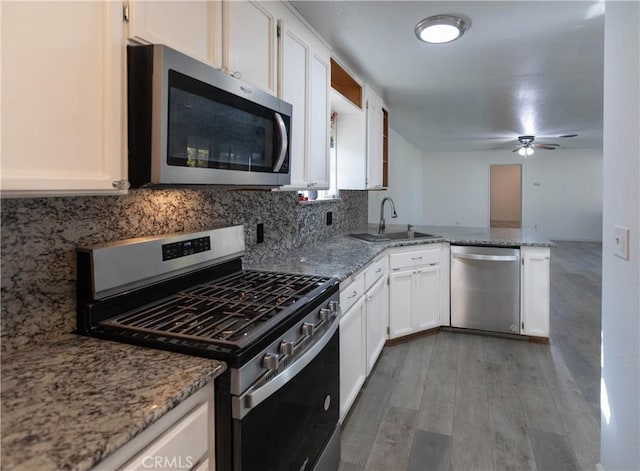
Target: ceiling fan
<point>525,149</point>
<point>527,145</point>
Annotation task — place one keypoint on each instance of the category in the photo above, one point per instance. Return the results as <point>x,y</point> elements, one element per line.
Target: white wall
<point>405,166</point>
<point>620,420</point>
<point>561,190</point>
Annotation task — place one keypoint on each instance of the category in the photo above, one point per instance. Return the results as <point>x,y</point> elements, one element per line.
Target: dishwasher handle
<point>486,258</point>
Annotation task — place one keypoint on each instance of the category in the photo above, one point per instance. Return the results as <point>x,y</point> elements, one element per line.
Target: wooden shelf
<point>343,83</point>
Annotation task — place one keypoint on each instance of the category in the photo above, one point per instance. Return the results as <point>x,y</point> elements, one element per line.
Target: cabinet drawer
<point>413,259</point>
<point>374,272</point>
<point>351,292</point>
<point>184,442</point>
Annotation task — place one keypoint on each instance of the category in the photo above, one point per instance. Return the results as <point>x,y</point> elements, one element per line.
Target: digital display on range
<point>185,248</point>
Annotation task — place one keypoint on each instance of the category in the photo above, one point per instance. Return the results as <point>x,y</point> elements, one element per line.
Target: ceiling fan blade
<point>516,149</point>
<point>541,146</point>
<point>545,144</point>
<point>564,136</point>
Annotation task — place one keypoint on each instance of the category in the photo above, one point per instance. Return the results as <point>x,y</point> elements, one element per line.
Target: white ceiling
<point>531,67</point>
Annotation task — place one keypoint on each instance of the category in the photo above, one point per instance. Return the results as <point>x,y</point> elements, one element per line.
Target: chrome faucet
<point>381,224</point>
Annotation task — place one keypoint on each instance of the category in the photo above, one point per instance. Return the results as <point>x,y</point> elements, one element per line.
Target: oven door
<point>291,427</point>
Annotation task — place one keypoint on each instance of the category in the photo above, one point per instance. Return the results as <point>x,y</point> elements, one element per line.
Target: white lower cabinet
<point>376,308</point>
<point>534,291</point>
<point>418,295</point>
<point>363,328</point>
<point>181,439</point>
<point>353,368</point>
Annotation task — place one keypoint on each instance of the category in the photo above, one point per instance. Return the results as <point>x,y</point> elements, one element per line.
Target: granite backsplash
<point>39,237</point>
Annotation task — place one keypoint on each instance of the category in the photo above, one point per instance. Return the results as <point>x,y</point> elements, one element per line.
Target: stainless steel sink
<point>389,236</point>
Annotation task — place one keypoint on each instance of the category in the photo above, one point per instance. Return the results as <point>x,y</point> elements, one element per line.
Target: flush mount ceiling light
<point>440,29</point>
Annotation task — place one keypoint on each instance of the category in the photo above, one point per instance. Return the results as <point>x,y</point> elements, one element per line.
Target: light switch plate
<point>621,241</point>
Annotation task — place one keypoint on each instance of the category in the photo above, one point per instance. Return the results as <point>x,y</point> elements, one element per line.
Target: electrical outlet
<point>621,242</point>
<point>329,218</point>
<point>260,233</point>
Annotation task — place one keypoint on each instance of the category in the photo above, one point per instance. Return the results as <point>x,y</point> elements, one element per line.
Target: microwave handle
<point>284,142</point>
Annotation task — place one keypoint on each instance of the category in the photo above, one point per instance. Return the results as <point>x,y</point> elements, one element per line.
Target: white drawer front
<point>351,292</point>
<point>182,446</point>
<point>376,270</point>
<point>411,259</point>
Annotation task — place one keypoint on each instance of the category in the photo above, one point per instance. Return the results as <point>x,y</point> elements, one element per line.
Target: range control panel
<point>185,247</point>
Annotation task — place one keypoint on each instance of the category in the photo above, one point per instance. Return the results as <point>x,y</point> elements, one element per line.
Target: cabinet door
<point>426,289</point>
<point>534,289</point>
<point>444,300</point>
<point>294,83</point>
<point>62,97</point>
<point>353,369</point>
<point>400,303</point>
<point>249,43</point>
<point>192,27</point>
<point>319,121</point>
<point>375,123</point>
<point>377,315</point>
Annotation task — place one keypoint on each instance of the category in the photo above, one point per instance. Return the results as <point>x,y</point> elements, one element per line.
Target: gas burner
<point>233,311</point>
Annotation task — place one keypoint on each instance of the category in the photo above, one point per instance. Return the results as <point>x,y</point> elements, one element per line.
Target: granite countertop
<point>69,402</point>
<point>341,256</point>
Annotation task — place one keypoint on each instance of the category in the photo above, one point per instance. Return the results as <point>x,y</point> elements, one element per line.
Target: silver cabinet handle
<point>416,258</point>
<point>353,295</point>
<point>284,142</point>
<point>486,258</point>
<point>242,405</point>
<point>378,270</point>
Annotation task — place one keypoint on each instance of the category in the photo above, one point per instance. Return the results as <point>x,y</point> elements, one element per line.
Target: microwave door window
<point>205,131</point>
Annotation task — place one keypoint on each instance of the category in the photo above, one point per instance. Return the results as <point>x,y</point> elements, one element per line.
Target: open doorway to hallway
<point>506,196</point>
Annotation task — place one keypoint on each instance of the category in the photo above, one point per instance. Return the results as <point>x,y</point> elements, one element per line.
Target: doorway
<point>506,196</point>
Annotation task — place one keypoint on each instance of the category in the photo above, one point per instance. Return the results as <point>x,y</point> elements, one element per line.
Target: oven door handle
<point>242,405</point>
<point>284,142</point>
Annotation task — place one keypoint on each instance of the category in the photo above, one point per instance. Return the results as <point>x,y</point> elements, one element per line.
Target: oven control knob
<point>324,314</point>
<point>307,329</point>
<point>286,348</point>
<point>271,362</point>
<point>334,307</point>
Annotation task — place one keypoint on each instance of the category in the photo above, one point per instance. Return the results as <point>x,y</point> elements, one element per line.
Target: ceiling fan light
<point>525,151</point>
<point>440,29</point>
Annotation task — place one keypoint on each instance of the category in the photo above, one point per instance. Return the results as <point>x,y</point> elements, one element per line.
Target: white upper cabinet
<point>359,142</point>
<point>318,156</point>
<point>62,97</point>
<point>191,27</point>
<point>304,80</point>
<point>249,43</point>
<point>375,131</point>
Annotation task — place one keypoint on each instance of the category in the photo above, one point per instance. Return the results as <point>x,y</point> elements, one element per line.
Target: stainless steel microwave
<point>192,124</point>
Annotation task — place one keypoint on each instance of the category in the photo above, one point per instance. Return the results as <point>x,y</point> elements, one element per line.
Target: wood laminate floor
<point>453,401</point>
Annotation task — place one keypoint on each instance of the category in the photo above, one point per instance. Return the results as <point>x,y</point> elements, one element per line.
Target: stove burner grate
<point>233,310</point>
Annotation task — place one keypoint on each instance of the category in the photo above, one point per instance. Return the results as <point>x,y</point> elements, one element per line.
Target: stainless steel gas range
<point>277,403</point>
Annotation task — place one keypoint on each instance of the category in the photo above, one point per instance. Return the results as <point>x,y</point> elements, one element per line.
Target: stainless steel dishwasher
<point>485,288</point>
